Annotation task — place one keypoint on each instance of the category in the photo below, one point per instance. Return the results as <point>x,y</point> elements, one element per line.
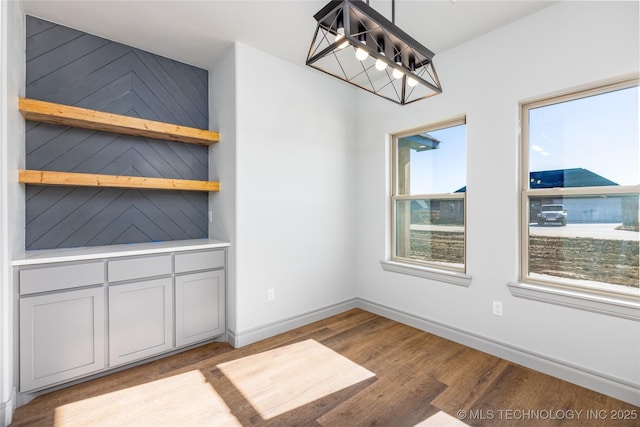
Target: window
<point>428,196</point>
<point>580,187</point>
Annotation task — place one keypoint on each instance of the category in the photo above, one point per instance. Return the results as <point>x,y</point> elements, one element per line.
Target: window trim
<point>415,267</point>
<point>427,272</point>
<point>622,302</point>
<point>626,307</point>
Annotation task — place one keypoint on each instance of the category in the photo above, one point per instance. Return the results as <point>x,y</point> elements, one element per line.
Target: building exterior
<point>585,210</point>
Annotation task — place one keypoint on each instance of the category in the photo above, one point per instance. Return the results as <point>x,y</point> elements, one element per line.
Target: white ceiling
<point>197,32</point>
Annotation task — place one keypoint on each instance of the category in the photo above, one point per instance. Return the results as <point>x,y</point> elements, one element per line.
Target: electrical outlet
<point>497,308</point>
<point>271,294</point>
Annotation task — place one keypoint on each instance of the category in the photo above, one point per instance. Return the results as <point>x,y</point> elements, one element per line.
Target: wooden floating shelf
<point>39,177</point>
<point>49,112</point>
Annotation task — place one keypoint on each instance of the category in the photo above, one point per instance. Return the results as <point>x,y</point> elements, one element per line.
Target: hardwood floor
<point>353,369</point>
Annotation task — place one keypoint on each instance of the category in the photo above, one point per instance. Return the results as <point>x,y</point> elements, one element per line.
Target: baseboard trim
<point>611,386</point>
<point>584,377</point>
<point>240,339</point>
<point>7,408</point>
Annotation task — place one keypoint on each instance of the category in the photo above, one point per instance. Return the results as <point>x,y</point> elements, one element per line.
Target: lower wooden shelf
<point>39,177</point>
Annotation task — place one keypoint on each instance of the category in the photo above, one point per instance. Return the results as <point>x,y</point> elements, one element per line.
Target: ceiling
<point>198,32</point>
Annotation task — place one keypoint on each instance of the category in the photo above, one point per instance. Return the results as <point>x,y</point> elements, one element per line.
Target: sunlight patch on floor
<point>441,419</point>
<point>277,381</point>
<point>184,399</point>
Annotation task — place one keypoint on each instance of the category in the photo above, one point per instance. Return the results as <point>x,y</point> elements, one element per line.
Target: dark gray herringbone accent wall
<point>70,67</point>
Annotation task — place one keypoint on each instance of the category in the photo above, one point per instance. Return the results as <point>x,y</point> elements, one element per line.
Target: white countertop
<point>43,256</point>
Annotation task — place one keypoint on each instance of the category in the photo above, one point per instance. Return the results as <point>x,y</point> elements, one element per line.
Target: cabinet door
<point>200,306</point>
<point>62,337</point>
<point>140,320</point>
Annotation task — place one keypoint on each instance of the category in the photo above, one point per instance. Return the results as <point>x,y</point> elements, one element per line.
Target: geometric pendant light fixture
<point>356,44</point>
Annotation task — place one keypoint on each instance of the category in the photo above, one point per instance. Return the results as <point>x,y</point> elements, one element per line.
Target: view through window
<point>580,187</point>
<point>429,195</point>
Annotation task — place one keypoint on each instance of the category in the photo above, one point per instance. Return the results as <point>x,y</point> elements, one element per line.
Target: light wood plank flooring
<point>353,369</point>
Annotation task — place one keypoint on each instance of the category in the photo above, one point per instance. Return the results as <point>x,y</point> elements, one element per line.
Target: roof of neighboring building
<point>419,142</point>
<point>575,177</point>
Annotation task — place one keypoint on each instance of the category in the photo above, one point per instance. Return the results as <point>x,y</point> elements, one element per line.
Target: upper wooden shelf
<point>39,177</point>
<point>49,112</point>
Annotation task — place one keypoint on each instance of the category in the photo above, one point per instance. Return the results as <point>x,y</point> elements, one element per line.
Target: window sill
<point>451,277</point>
<point>620,306</point>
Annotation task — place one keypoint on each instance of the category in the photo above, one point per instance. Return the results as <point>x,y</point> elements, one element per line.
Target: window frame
<point>421,268</point>
<point>558,285</point>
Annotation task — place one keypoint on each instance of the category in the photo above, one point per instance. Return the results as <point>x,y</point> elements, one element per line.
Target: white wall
<point>294,190</point>
<point>567,45</point>
<point>11,195</point>
<point>222,166</point>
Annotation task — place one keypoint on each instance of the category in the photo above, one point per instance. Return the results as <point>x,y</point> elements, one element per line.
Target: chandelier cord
<point>393,12</point>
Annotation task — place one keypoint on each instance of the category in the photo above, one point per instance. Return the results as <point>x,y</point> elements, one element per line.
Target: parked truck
<point>555,213</point>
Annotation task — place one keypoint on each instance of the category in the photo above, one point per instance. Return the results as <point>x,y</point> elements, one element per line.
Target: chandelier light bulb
<point>380,64</point>
<point>411,81</point>
<point>397,58</point>
<point>340,36</point>
<point>361,54</point>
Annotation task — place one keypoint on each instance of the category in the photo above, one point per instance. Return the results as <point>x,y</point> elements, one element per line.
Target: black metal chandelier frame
<point>403,71</point>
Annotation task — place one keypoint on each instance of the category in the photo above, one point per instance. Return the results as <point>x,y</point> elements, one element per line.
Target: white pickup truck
<point>552,213</point>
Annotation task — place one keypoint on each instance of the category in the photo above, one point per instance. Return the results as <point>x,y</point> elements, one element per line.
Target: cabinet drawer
<point>138,268</point>
<point>65,276</point>
<point>195,261</point>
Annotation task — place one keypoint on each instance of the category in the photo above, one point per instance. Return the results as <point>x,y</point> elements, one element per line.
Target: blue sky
<point>598,133</point>
<point>443,170</point>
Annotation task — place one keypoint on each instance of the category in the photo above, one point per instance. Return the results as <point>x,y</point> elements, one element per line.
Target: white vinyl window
<point>428,196</point>
<point>580,176</point>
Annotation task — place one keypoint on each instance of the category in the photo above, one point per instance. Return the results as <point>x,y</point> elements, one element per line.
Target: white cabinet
<point>200,306</point>
<point>78,316</point>
<point>61,336</point>
<point>140,320</point>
